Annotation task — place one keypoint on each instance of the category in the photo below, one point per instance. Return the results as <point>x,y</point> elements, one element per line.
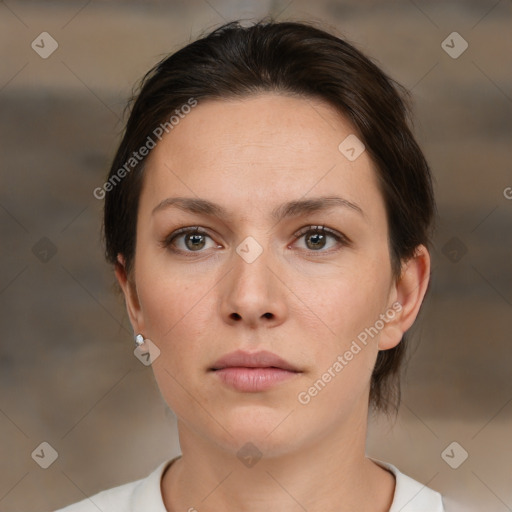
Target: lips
<point>262,359</point>
<point>252,373</point>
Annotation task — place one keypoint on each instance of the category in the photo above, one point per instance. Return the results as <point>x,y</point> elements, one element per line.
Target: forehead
<point>249,151</point>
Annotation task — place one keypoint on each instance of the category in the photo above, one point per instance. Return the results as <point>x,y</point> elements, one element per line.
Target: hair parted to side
<point>301,60</point>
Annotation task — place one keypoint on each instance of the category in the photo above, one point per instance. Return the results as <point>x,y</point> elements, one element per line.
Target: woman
<point>268,215</point>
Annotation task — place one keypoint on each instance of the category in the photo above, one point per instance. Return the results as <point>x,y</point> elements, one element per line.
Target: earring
<point>139,340</point>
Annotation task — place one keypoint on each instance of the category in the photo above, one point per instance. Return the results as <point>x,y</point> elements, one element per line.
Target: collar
<point>409,494</point>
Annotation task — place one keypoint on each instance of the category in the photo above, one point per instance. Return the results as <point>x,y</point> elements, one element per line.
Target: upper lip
<point>262,359</point>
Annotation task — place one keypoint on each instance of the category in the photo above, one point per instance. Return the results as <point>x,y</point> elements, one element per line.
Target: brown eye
<point>193,240</point>
<point>315,240</point>
<point>316,237</point>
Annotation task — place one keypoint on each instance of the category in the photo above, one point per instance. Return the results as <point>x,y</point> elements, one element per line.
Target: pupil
<point>194,239</point>
<point>319,238</point>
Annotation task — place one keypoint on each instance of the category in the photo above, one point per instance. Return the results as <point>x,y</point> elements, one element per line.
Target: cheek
<point>167,293</point>
<point>343,306</point>
<point>177,315</point>
<point>342,351</point>
<point>164,305</point>
<point>178,310</point>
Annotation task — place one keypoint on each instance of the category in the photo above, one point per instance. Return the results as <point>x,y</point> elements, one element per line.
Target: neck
<point>330,474</point>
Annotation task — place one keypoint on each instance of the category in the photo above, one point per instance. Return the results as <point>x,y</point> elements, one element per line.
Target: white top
<point>145,495</point>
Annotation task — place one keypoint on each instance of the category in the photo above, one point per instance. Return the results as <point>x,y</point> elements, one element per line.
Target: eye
<point>316,237</point>
<point>193,238</point>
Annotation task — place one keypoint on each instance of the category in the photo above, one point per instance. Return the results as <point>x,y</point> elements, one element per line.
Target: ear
<point>130,295</point>
<point>408,292</point>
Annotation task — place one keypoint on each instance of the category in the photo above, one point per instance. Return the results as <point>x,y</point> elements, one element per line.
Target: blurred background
<point>68,375</point>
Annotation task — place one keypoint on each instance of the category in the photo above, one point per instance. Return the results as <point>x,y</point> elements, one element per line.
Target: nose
<point>252,293</point>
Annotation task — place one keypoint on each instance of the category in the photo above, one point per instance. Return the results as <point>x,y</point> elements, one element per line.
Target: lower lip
<point>253,379</point>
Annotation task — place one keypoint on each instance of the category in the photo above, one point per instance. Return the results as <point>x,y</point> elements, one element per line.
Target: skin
<point>304,302</point>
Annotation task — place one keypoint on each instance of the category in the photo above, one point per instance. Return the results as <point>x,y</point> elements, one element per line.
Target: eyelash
<point>196,230</point>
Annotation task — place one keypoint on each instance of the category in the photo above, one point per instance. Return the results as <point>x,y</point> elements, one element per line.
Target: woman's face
<point>261,276</point>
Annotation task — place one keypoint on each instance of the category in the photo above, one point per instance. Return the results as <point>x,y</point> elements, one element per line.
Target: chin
<point>260,427</point>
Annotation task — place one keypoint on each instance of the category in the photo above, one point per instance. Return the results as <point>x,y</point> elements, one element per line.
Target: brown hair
<point>297,59</point>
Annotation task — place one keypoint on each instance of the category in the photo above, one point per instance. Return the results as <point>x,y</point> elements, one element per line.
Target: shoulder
<point>411,495</point>
<point>143,494</point>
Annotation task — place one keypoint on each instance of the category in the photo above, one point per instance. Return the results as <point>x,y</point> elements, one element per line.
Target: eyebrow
<point>290,209</point>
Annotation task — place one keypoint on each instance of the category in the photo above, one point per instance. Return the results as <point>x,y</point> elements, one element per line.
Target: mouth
<point>259,371</point>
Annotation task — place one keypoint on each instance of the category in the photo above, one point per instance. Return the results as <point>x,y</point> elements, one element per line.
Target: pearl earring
<point>139,340</point>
